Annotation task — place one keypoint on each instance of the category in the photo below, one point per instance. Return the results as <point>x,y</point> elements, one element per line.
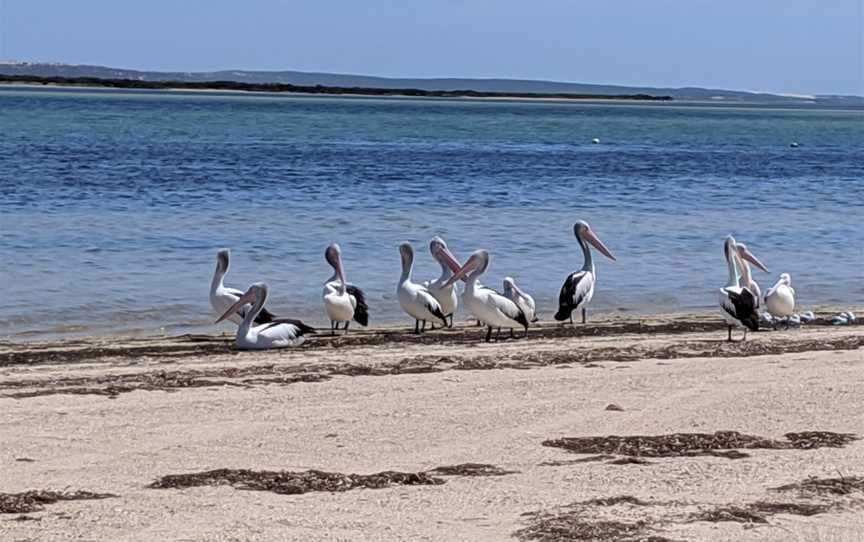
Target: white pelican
<point>487,305</point>
<point>414,298</point>
<point>780,298</point>
<point>446,296</point>
<point>342,301</point>
<point>279,333</point>
<point>578,288</point>
<point>525,302</point>
<point>747,280</point>
<point>738,304</point>
<point>222,297</point>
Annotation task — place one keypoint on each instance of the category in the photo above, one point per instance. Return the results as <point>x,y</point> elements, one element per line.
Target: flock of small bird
<point>436,301</point>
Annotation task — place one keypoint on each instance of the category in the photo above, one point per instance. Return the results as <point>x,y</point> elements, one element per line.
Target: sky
<point>791,46</point>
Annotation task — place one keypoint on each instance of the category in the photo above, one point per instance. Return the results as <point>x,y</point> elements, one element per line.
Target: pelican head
<point>476,265</point>
<point>333,255</point>
<point>745,254</point>
<point>223,257</point>
<point>442,254</point>
<point>256,294</point>
<point>786,279</point>
<point>583,233</point>
<point>406,251</point>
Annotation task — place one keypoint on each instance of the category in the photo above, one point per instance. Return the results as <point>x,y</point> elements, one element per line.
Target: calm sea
<point>112,204</point>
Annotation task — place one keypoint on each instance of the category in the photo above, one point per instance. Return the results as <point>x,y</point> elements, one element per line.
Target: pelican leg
<point>451,320</point>
<point>498,334</point>
<point>346,327</point>
<point>489,335</point>
<point>416,327</point>
<point>526,333</point>
<point>423,326</point>
<point>511,333</point>
<point>571,318</point>
<point>729,339</point>
<point>433,325</point>
<point>584,314</point>
<point>332,327</point>
<point>745,335</point>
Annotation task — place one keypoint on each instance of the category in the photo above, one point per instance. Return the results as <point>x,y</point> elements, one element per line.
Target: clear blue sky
<point>801,46</point>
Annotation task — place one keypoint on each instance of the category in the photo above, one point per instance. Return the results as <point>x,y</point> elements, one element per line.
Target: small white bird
<point>850,316</point>
<point>807,317</point>
<point>840,320</point>
<point>222,297</point>
<point>414,298</point>
<point>780,298</point>
<point>280,333</point>
<point>342,301</point>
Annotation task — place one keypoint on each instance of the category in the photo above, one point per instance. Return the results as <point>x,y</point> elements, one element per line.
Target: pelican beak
<point>444,255</point>
<point>747,255</point>
<point>469,266</point>
<point>248,297</point>
<point>598,244</point>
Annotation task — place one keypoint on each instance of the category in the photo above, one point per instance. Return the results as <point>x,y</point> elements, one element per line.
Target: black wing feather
<point>435,309</point>
<point>566,302</point>
<point>361,311</point>
<point>303,329</point>
<point>745,308</point>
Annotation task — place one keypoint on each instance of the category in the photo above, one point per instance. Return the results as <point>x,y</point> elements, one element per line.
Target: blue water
<point>114,203</point>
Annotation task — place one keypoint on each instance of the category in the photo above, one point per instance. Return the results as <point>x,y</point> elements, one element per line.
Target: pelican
<point>780,298</point>
<point>578,288</point>
<point>487,305</point>
<point>280,333</point>
<point>446,296</point>
<point>342,301</point>
<point>738,304</point>
<point>414,298</point>
<point>222,297</point>
<point>522,299</point>
<point>746,277</point>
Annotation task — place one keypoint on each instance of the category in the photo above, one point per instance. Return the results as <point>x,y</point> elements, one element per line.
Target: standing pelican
<point>414,298</point>
<point>280,333</point>
<point>446,296</point>
<point>737,302</point>
<point>578,288</point>
<point>744,255</point>
<point>525,302</point>
<point>342,301</point>
<point>222,297</point>
<point>487,305</point>
<point>780,298</point>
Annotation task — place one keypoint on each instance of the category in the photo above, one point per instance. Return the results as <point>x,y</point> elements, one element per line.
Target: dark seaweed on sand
<point>292,483</point>
<point>471,469</point>
<point>830,486</point>
<point>35,500</point>
<point>757,512</point>
<point>720,443</point>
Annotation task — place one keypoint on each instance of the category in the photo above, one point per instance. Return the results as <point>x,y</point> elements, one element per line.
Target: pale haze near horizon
<point>796,46</point>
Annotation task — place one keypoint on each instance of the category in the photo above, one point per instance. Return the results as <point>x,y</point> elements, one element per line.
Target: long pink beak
<point>598,244</point>
<point>747,255</point>
<point>448,258</point>
<point>245,298</point>
<point>460,273</point>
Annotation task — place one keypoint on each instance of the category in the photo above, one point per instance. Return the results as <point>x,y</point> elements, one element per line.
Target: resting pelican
<point>746,277</point>
<point>780,298</point>
<point>222,297</point>
<point>487,305</point>
<point>414,298</point>
<point>342,301</point>
<point>446,296</point>
<point>578,288</point>
<point>279,333</point>
<point>738,304</point>
<point>525,302</point>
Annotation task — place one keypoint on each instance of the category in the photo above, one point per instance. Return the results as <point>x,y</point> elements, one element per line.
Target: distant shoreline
<point>280,88</point>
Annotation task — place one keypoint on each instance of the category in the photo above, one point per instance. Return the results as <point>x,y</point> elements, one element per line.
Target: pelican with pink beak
<point>343,302</point>
<point>414,298</point>
<point>747,281</point>
<point>279,333</point>
<point>446,296</point>
<point>487,305</point>
<point>525,302</point>
<point>578,288</point>
<point>737,303</point>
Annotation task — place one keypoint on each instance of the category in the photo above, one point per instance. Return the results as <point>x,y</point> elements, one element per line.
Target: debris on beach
<point>757,512</point>
<point>721,443</point>
<point>293,483</point>
<point>826,486</point>
<point>614,407</point>
<point>470,469</point>
<point>35,500</point>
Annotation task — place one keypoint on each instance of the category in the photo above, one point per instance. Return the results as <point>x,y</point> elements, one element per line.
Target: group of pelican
<point>436,301</point>
<point>741,300</point>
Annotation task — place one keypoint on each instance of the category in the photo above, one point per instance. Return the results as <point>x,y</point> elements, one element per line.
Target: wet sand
<point>114,416</point>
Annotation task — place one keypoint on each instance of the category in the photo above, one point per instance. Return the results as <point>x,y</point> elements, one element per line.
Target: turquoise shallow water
<point>114,203</point>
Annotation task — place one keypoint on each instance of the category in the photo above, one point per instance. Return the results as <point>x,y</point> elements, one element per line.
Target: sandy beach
<point>114,416</point>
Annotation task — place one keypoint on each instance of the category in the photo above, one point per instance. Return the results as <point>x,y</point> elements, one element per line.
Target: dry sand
<point>114,415</point>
